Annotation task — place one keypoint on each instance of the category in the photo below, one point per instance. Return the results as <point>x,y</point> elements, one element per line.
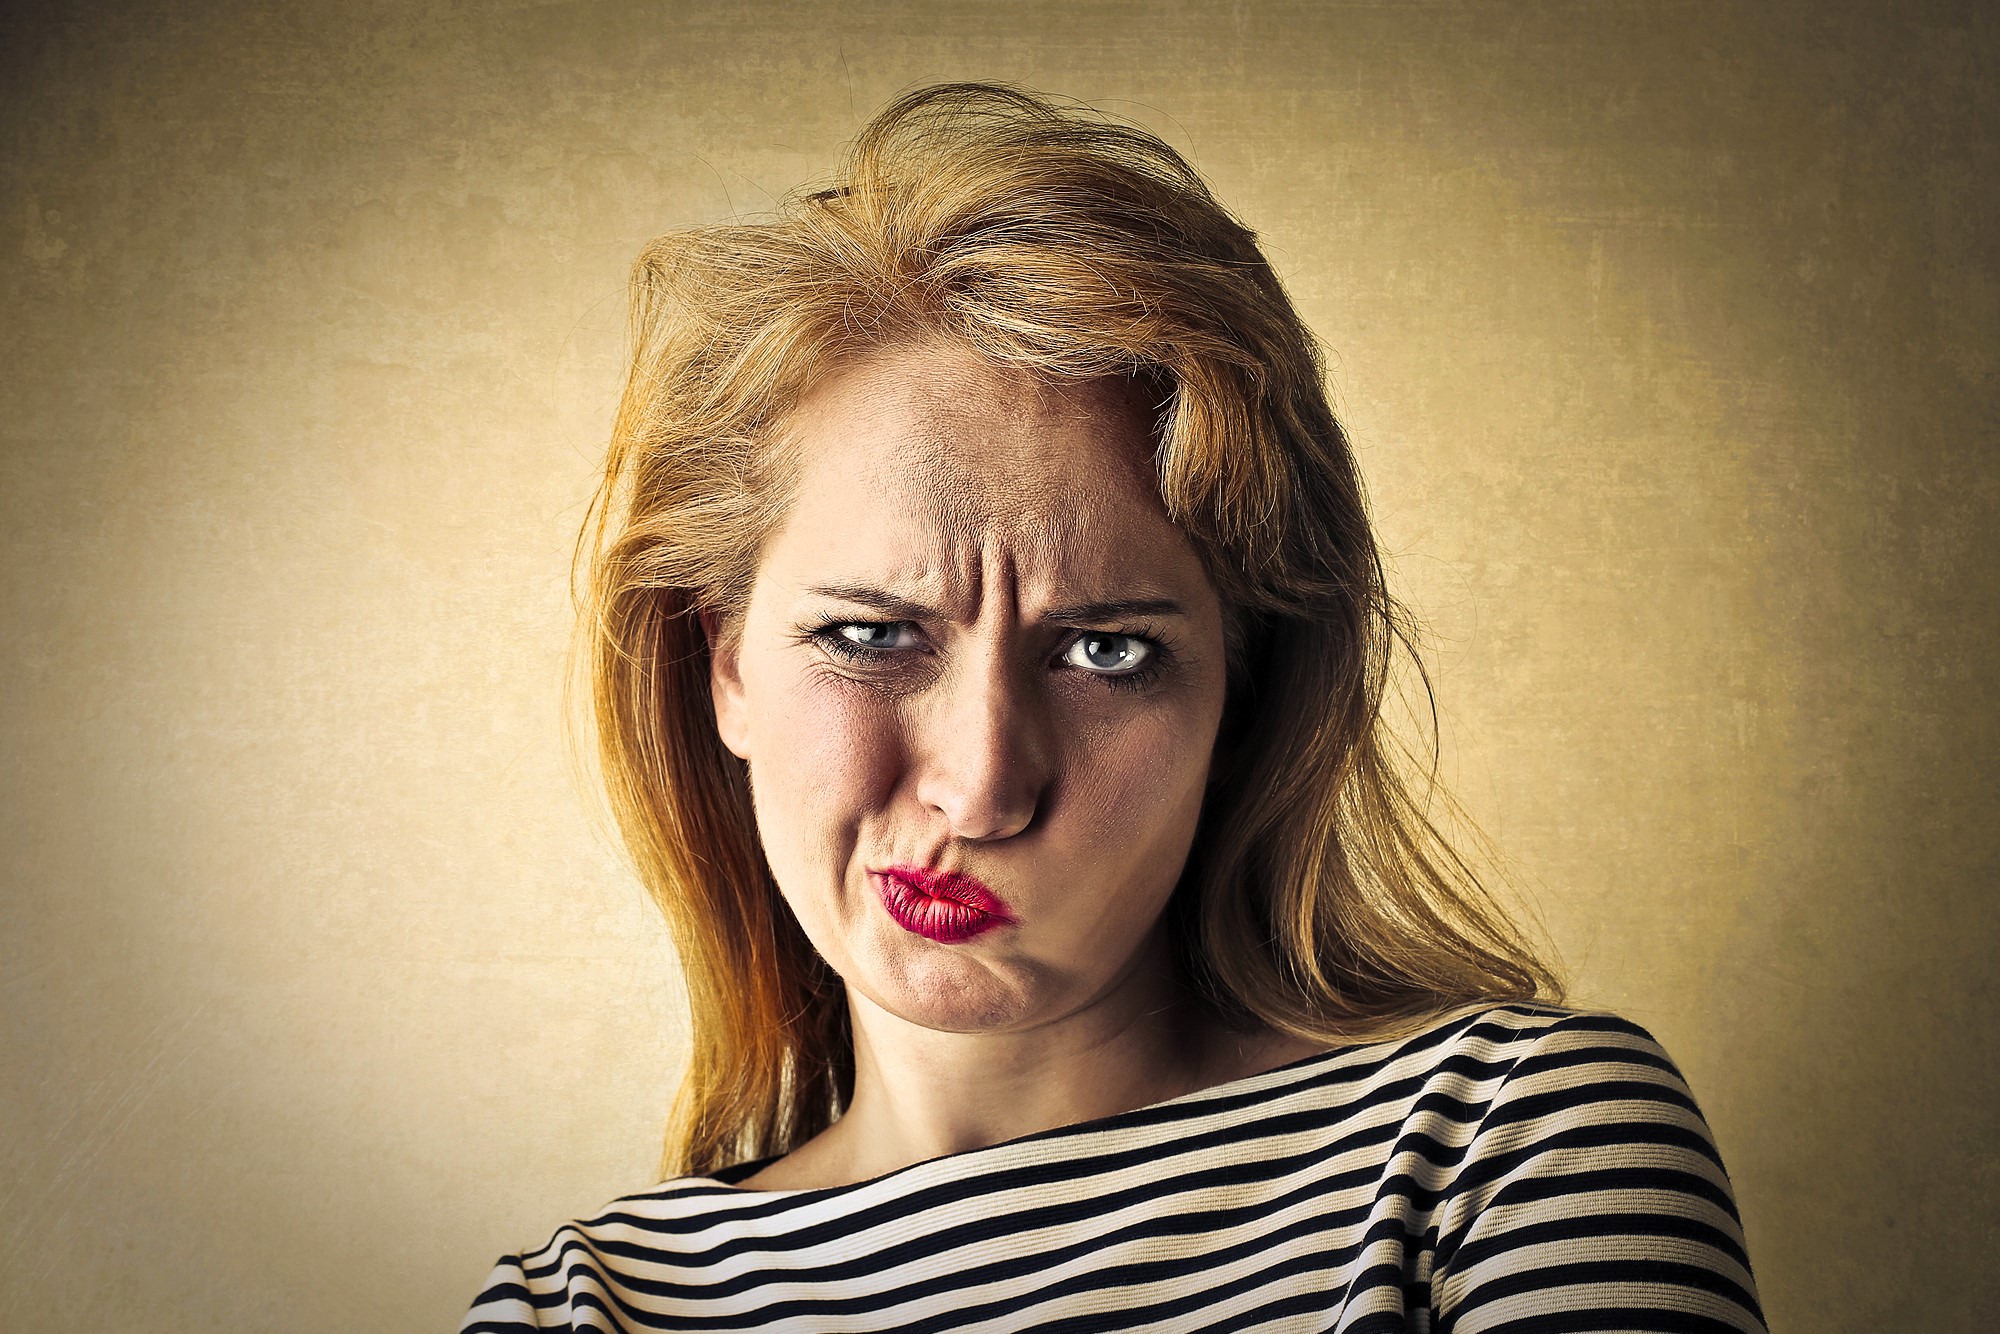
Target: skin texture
<point>991,732</point>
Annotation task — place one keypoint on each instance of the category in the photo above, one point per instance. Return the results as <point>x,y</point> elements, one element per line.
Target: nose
<point>986,754</point>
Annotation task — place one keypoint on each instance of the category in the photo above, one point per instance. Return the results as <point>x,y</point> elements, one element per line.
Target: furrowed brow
<point>1115,609</point>
<point>1087,613</point>
<point>888,603</point>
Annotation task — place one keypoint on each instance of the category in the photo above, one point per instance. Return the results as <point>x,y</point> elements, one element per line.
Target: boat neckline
<point>725,1179</point>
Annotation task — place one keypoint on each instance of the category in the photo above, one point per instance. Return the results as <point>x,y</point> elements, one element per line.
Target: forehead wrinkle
<point>1036,525</point>
<point>993,486</point>
<point>973,504</point>
<point>1020,567</point>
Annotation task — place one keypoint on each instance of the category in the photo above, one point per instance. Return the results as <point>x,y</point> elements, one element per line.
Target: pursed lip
<point>945,906</point>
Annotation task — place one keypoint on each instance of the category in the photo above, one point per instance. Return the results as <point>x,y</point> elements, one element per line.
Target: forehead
<point>938,433</point>
<point>958,438</point>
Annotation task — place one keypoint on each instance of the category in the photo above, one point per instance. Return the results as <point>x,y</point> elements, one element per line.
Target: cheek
<point>1144,768</point>
<point>1136,794</point>
<point>822,755</point>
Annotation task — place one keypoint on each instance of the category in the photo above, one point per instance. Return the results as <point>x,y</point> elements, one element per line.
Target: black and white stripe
<point>1522,1169</point>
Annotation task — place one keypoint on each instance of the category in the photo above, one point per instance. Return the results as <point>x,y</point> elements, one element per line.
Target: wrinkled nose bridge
<point>986,755</point>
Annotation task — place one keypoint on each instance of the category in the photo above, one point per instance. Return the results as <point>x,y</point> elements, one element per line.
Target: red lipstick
<point>945,906</point>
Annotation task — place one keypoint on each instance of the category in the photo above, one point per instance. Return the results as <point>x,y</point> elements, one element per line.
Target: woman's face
<point>976,648</point>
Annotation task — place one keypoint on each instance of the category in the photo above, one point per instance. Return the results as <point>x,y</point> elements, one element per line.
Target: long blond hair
<point>1319,898</point>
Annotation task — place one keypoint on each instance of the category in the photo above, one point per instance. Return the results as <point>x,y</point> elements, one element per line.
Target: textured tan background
<point>1666,330</point>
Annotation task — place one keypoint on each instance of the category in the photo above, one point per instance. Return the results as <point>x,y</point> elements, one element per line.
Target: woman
<point>988,645</point>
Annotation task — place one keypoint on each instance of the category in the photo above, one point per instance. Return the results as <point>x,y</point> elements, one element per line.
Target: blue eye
<point>1108,654</point>
<point>864,641</point>
<point>871,634</point>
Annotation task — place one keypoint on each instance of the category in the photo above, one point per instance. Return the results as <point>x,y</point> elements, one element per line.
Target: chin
<point>939,988</point>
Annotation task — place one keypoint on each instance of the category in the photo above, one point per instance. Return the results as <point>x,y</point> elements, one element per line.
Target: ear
<point>725,684</point>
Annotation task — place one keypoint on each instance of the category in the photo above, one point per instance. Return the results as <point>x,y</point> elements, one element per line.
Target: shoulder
<point>1552,1071</point>
<point>1590,1186</point>
<point>543,1287</point>
<point>1508,1052</point>
<point>1517,1028</point>
<point>1536,1081</point>
<point>1455,1081</point>
<point>1478,1053</point>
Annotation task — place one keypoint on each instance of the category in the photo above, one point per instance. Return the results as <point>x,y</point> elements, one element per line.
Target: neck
<point>920,1093</point>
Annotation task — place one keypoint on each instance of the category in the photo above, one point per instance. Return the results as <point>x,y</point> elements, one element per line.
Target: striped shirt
<point>1522,1169</point>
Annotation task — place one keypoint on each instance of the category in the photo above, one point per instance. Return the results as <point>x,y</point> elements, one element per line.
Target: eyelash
<point>1160,647</point>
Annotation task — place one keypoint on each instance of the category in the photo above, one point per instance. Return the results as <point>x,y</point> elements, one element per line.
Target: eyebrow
<point>902,609</point>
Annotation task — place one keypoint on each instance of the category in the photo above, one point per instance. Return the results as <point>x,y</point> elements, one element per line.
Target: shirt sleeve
<point>502,1306</point>
<point>1592,1198</point>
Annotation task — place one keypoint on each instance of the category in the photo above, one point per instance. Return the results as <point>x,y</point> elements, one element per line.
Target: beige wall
<point>1667,335</point>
